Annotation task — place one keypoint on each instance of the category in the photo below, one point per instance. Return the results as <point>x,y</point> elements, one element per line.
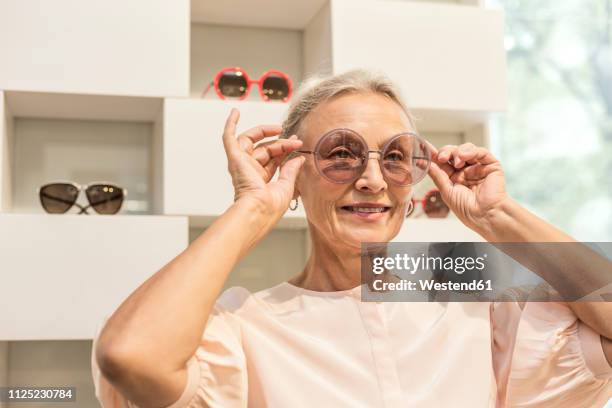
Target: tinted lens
<point>57,198</point>
<point>233,84</point>
<point>340,156</point>
<point>105,198</point>
<point>275,87</point>
<point>406,160</point>
<point>435,207</point>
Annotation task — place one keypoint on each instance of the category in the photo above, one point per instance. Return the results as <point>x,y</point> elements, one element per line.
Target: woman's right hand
<point>253,166</point>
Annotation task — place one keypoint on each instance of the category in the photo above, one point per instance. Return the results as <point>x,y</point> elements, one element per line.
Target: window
<point>555,139</point>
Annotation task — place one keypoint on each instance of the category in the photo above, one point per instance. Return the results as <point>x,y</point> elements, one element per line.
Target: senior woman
<point>178,341</point>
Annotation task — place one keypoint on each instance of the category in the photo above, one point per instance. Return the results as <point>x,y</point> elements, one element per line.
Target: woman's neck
<point>329,268</point>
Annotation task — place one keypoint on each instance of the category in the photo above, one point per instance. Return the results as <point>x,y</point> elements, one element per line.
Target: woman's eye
<point>340,154</point>
<point>394,156</point>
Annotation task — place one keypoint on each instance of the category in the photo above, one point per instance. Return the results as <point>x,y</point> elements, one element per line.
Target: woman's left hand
<point>471,181</point>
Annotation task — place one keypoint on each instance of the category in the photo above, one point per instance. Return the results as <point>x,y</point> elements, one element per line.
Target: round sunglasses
<point>432,203</point>
<point>59,197</point>
<point>341,156</point>
<point>234,82</point>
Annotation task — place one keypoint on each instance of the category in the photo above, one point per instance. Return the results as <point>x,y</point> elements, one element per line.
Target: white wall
<point>52,363</point>
<point>443,56</point>
<point>140,47</point>
<point>317,43</point>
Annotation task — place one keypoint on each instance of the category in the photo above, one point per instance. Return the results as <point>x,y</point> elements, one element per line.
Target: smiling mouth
<point>355,209</point>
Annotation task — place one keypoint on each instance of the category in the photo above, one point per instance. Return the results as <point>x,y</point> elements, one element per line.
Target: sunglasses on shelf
<point>59,197</point>
<point>433,205</point>
<point>341,156</point>
<point>234,82</point>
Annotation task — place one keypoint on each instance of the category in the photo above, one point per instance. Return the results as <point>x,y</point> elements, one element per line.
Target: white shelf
<point>288,14</point>
<point>55,105</point>
<point>436,230</point>
<point>67,272</point>
<point>106,47</point>
<point>83,138</point>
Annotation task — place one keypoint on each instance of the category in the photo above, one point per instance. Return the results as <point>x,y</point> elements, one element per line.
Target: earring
<point>410,208</point>
<point>293,207</point>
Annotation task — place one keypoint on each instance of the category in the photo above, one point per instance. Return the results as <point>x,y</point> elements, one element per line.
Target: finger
<point>458,156</point>
<point>249,137</point>
<point>271,167</point>
<point>289,171</point>
<point>465,154</point>
<point>477,172</point>
<point>442,164</point>
<point>471,153</point>
<point>445,153</point>
<point>432,148</point>
<point>264,152</point>
<point>484,156</point>
<point>229,133</point>
<point>441,179</point>
<point>467,150</point>
<point>460,178</point>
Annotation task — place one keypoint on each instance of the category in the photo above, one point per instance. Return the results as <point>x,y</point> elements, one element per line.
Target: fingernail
<point>292,137</point>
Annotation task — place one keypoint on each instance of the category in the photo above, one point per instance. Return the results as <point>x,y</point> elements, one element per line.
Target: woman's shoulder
<point>233,298</point>
<point>237,298</point>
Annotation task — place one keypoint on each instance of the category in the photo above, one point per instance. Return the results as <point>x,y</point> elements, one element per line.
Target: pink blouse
<point>291,347</point>
<point>545,357</point>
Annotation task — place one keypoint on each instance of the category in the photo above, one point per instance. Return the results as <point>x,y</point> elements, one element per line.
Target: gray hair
<point>320,87</point>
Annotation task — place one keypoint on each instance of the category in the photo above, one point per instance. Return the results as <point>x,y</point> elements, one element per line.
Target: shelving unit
<point>82,138</point>
<point>142,98</point>
<point>90,91</point>
<point>68,272</point>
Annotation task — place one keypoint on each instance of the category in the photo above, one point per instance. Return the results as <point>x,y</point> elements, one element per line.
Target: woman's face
<point>330,207</point>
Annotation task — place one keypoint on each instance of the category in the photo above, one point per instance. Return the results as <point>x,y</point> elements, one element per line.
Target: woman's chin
<point>357,236</point>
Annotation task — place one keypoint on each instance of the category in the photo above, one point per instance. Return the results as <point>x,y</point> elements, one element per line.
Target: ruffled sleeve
<point>216,373</point>
<point>547,357</point>
<point>592,351</point>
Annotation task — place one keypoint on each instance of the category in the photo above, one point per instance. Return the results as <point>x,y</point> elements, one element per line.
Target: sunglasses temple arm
<point>205,91</point>
<point>83,209</point>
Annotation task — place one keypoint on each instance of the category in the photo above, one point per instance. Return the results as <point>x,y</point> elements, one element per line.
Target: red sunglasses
<point>233,82</point>
<point>433,205</point>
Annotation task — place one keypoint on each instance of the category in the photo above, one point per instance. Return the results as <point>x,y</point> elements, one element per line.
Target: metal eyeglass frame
<point>366,157</point>
<point>79,189</point>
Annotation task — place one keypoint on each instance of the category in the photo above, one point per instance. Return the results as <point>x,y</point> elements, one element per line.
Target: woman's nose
<point>371,179</point>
